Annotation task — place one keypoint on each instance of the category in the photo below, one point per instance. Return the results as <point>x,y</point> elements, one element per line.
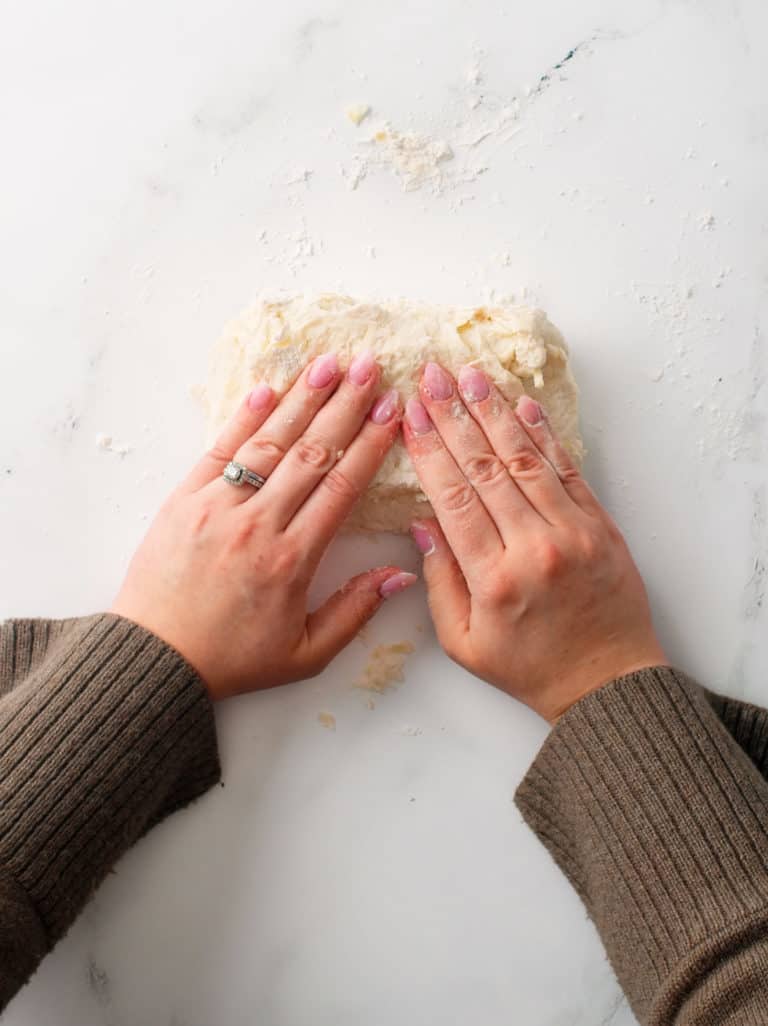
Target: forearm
<point>99,739</point>
<point>658,817</point>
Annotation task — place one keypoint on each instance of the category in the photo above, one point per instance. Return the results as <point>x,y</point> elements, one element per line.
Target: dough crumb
<point>357,112</point>
<point>385,667</point>
<point>706,221</point>
<point>327,720</point>
<point>107,443</point>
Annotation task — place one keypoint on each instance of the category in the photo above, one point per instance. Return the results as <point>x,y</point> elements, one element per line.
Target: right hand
<point>531,585</point>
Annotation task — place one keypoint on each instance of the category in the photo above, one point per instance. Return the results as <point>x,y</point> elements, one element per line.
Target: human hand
<point>223,572</point>
<point>531,586</point>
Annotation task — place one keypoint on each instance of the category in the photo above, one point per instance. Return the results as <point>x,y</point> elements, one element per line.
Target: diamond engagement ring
<point>238,475</point>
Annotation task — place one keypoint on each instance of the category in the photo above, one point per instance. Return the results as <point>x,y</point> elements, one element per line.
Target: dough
<point>384,668</point>
<point>516,346</point>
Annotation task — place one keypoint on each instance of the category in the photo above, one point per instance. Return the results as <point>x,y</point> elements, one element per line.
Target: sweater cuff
<point>106,736</point>
<point>659,820</point>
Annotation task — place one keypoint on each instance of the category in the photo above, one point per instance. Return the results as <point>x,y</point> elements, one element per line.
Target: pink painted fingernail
<point>417,417</point>
<point>385,407</point>
<point>530,411</point>
<point>260,397</point>
<point>361,368</point>
<point>437,382</point>
<point>424,540</point>
<point>398,582</point>
<point>323,371</point>
<point>473,384</point>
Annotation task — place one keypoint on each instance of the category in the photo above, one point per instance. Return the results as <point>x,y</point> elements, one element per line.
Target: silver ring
<point>239,475</point>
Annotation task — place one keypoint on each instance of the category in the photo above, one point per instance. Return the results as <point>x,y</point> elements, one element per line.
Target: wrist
<point>581,685</point>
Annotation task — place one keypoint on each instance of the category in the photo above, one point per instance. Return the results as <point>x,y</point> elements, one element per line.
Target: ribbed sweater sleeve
<point>104,730</point>
<point>649,796</point>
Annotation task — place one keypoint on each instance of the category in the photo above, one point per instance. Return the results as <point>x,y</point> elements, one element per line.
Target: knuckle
<point>313,452</point>
<point>285,563</point>
<point>200,518</point>
<point>338,483</point>
<point>566,471</point>
<point>497,590</point>
<point>268,448</point>
<point>524,462</point>
<point>550,560</point>
<point>241,535</point>
<point>485,469</point>
<point>589,545</point>
<point>457,497</point>
<point>218,454</point>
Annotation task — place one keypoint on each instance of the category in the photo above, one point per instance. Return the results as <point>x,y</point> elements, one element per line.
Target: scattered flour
<point>293,250</point>
<point>440,161</point>
<point>354,172</point>
<point>415,159</point>
<point>706,221</point>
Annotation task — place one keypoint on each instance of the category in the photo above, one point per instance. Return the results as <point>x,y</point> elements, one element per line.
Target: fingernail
<point>398,582</point>
<point>385,407</point>
<point>260,397</point>
<point>437,382</point>
<point>530,411</point>
<point>417,416</point>
<point>361,368</point>
<point>473,384</point>
<point>424,540</point>
<point>323,370</point>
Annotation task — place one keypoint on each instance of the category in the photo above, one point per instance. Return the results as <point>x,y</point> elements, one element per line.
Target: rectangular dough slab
<point>517,346</point>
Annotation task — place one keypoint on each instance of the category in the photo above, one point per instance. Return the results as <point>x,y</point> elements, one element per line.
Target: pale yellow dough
<point>517,346</point>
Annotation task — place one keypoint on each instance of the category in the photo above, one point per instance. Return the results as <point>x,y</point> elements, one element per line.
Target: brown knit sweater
<point>650,795</point>
<point>104,730</point>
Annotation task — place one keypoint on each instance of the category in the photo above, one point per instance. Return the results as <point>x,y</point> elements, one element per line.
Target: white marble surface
<point>378,874</point>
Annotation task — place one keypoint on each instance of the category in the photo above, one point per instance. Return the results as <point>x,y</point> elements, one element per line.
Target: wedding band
<point>238,475</point>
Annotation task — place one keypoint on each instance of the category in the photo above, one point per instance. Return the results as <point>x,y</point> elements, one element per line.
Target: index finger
<point>472,534</point>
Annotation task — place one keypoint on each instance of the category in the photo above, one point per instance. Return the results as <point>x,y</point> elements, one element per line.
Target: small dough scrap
<point>385,667</point>
<point>518,347</point>
<point>357,112</point>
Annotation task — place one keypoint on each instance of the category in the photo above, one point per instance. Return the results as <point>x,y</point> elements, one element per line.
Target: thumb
<point>339,619</point>
<point>447,590</point>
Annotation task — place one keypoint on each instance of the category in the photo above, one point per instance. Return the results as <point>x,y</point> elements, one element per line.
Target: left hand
<point>223,573</point>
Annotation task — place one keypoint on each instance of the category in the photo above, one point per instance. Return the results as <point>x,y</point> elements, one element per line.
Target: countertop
<point>163,163</point>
